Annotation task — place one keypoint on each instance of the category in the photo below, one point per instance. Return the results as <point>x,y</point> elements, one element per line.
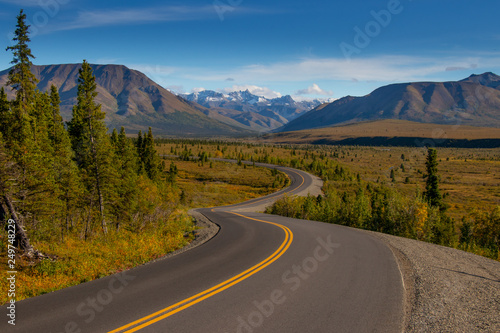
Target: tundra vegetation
<point>449,196</point>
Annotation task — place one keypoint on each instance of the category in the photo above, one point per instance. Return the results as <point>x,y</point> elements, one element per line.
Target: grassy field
<point>470,178</point>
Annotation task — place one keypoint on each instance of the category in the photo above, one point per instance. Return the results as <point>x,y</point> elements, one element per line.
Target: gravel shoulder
<point>447,290</point>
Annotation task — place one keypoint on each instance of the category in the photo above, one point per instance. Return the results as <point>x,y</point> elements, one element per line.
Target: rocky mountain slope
<point>132,100</point>
<point>474,101</point>
<point>256,112</point>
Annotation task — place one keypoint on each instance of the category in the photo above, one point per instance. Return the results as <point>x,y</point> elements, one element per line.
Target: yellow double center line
<point>177,307</point>
<point>254,201</point>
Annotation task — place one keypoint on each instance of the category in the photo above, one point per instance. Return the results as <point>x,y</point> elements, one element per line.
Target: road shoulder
<point>446,290</point>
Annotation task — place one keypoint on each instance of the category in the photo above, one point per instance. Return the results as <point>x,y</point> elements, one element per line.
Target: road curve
<point>261,273</point>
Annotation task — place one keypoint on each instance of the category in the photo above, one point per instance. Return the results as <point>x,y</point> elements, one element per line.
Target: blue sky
<point>307,49</point>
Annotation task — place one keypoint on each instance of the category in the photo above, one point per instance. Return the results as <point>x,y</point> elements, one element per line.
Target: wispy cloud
<point>380,69</point>
<point>117,17</point>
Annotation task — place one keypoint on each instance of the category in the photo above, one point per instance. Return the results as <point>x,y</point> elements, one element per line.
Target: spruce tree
<point>26,143</point>
<point>432,193</point>
<point>114,137</point>
<point>20,76</point>
<point>68,186</point>
<point>23,81</point>
<point>91,143</point>
<point>150,157</point>
<point>126,162</point>
<point>139,144</point>
<point>5,114</point>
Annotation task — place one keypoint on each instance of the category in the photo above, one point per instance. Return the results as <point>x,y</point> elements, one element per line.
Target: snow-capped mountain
<point>280,110</point>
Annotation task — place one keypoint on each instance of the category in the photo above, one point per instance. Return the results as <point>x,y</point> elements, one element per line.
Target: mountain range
<point>130,99</point>
<point>256,112</point>
<point>474,101</point>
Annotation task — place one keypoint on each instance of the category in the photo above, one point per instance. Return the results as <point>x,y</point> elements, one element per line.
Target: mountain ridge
<point>130,99</point>
<point>254,109</point>
<point>474,101</point>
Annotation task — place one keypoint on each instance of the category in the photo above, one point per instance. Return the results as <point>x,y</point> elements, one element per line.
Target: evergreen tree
<point>114,137</point>
<point>150,158</point>
<point>5,114</point>
<point>23,81</point>
<point>68,186</point>
<point>27,143</point>
<point>91,143</point>
<point>432,193</point>
<point>127,190</point>
<point>139,144</point>
<point>20,76</point>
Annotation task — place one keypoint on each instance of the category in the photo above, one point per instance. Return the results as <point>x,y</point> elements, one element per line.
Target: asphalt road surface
<point>260,273</point>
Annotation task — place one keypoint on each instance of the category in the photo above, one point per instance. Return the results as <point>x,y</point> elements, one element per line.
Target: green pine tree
<point>432,193</point>
<point>139,144</point>
<point>20,76</point>
<point>91,144</point>
<point>114,137</point>
<point>127,190</point>
<point>6,120</point>
<point>27,144</point>
<point>23,81</point>
<point>150,157</point>
<point>68,185</point>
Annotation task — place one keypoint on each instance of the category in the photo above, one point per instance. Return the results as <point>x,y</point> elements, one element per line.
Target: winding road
<point>260,273</point>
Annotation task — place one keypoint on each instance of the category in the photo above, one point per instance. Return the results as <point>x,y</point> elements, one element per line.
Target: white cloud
<point>114,17</point>
<point>314,90</point>
<point>255,90</point>
<point>200,89</point>
<point>376,69</point>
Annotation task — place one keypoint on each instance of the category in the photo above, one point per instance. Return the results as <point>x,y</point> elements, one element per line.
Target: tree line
<point>60,178</point>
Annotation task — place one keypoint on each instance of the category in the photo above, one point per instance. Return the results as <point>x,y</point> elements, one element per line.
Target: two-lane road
<point>261,273</point>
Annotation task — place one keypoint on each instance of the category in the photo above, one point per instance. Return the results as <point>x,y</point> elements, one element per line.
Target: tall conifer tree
<point>20,76</point>
<point>126,162</point>
<point>432,193</point>
<point>25,143</point>
<point>5,114</point>
<point>150,157</point>
<point>91,143</point>
<point>67,182</point>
